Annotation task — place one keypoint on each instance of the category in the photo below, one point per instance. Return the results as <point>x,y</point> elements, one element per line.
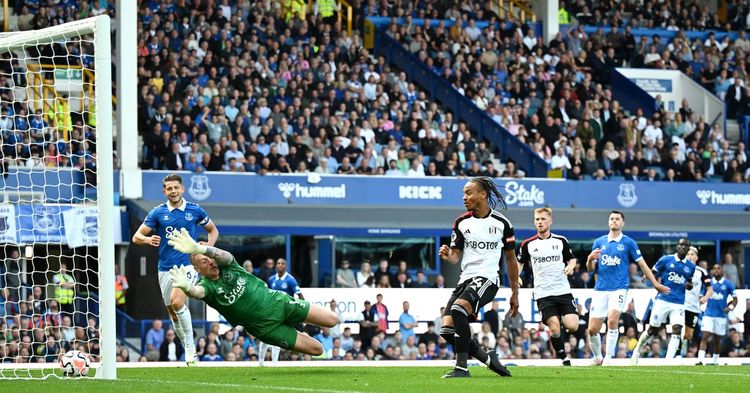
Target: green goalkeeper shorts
<point>277,328</point>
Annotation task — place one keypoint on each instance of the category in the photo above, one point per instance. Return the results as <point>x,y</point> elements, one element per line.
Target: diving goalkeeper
<point>244,299</point>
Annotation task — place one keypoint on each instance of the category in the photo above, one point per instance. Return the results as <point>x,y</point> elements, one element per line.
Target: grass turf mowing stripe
<point>235,385</point>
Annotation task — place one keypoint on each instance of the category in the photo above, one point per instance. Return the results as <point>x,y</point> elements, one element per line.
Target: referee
<point>550,259</point>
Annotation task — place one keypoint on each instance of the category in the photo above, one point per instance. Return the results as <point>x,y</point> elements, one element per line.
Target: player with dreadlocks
<point>480,238</point>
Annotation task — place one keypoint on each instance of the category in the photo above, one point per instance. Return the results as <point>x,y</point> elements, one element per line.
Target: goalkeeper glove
<point>179,278</point>
<point>182,242</point>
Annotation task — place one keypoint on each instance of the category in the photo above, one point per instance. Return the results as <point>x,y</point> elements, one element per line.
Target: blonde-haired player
<point>551,261</point>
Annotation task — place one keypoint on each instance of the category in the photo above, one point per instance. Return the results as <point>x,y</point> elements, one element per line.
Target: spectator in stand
<point>406,323</point>
<point>380,314</point>
<point>365,277</point>
<point>170,350</point>
<point>730,269</point>
<point>345,276</point>
<point>154,339</point>
<point>384,271</point>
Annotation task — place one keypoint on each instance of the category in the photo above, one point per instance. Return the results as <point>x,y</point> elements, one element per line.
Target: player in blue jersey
<point>676,272</point>
<point>163,219</point>
<point>714,321</point>
<point>611,257</point>
<point>284,282</point>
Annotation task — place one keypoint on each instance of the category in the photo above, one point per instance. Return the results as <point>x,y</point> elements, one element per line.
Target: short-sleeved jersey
<point>547,258</point>
<point>163,219</point>
<point>238,295</point>
<point>613,265</point>
<point>674,274</point>
<point>285,283</point>
<point>701,281</point>
<point>482,241</point>
<point>723,290</point>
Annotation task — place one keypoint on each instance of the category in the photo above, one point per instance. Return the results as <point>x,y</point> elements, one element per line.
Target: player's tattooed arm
<point>221,257</point>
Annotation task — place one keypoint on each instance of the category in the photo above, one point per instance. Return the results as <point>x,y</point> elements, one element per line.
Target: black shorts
<point>691,319</point>
<point>478,291</point>
<point>556,306</point>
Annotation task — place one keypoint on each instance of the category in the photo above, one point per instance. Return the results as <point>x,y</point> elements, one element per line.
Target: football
<point>75,364</point>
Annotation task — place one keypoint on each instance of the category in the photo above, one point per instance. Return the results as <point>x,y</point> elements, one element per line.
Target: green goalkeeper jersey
<point>239,296</point>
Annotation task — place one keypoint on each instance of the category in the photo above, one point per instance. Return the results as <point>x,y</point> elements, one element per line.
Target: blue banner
<point>336,190</point>
<point>61,185</point>
<point>40,224</point>
<point>74,225</point>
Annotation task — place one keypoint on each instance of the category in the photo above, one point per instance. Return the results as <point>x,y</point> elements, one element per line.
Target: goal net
<point>56,199</point>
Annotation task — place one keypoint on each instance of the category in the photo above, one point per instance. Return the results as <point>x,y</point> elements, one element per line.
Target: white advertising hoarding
<point>425,303</point>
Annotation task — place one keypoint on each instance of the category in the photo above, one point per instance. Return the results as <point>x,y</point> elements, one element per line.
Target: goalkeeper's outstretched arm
<point>180,280</point>
<point>182,242</point>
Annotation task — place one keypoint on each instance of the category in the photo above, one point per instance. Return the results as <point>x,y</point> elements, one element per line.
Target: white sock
<point>275,354</point>
<point>177,327</point>
<point>612,335</point>
<point>685,347</point>
<point>186,321</point>
<point>674,342</point>
<point>262,349</point>
<point>596,345</point>
<point>641,343</point>
<point>701,355</point>
<point>716,358</point>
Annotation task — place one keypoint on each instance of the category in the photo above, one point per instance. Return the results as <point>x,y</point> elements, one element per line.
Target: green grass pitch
<point>407,379</point>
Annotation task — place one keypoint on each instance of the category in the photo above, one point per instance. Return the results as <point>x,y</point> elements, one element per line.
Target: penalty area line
<point>236,385</point>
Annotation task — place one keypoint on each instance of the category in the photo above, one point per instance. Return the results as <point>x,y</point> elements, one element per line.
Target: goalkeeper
<point>244,299</point>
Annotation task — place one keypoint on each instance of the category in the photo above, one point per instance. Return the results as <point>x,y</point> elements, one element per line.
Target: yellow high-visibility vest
<point>64,295</point>
<point>563,17</point>
<point>326,8</point>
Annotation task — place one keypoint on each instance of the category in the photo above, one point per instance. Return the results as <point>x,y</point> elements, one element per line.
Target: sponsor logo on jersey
<point>189,216</point>
<point>467,231</point>
<point>517,194</point>
<point>236,292</point>
<point>676,278</point>
<point>608,260</point>
<point>548,258</point>
<point>717,296</point>
<point>199,188</point>
<point>479,245</point>
<point>715,198</point>
<point>420,192</point>
<point>312,192</point>
<point>627,197</point>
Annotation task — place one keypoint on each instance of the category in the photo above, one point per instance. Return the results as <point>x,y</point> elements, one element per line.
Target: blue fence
<point>630,95</point>
<point>340,190</point>
<point>463,108</point>
<point>384,21</point>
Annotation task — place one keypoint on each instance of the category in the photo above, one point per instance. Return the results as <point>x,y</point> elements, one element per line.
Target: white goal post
<point>38,139</point>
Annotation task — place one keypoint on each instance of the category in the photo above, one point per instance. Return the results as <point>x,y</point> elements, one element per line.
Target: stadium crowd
<point>217,93</point>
